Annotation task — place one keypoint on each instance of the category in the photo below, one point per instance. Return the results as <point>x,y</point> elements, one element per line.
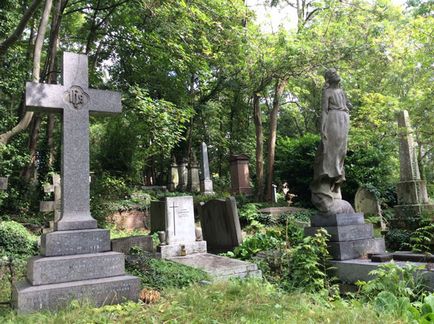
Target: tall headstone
<point>183,176</point>
<point>240,177</point>
<point>180,229</point>
<point>412,193</point>
<point>174,177</point>
<point>220,224</point>
<point>367,203</point>
<point>75,261</point>
<point>206,185</point>
<point>193,175</point>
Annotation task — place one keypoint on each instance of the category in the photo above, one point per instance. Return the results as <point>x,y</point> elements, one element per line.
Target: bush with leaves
<point>401,281</point>
<point>310,263</point>
<point>15,241</point>
<point>422,239</point>
<point>160,274</point>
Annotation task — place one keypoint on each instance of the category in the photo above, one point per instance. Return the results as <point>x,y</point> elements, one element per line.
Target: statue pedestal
<point>350,237</point>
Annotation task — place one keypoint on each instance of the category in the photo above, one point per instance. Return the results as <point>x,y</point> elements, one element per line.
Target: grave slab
<point>220,267</point>
<point>345,232</point>
<point>43,271</point>
<point>59,243</point>
<point>99,292</point>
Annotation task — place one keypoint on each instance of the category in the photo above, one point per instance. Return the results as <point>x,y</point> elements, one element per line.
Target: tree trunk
<point>52,73</point>
<point>27,118</point>
<point>257,116</point>
<point>278,91</point>
<point>20,28</point>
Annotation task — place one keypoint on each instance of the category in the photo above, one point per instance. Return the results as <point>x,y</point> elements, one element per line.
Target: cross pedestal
<point>75,261</point>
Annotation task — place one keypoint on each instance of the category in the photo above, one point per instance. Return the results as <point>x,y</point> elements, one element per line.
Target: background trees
<point>202,70</point>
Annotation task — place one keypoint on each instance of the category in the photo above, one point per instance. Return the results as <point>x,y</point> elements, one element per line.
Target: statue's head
<point>332,76</point>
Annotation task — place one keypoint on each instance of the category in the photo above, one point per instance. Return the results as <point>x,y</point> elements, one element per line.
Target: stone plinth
<point>181,249</point>
<point>240,177</point>
<point>350,237</point>
<point>98,292</point>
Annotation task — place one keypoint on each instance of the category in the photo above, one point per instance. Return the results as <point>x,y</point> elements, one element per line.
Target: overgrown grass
<point>233,302</point>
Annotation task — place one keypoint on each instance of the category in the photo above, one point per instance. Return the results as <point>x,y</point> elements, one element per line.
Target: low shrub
<point>16,241</point>
<point>160,274</point>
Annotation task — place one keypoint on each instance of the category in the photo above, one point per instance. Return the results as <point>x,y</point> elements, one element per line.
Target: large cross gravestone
<point>75,261</point>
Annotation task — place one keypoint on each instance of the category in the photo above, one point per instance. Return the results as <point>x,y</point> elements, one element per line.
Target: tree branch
<point>20,28</point>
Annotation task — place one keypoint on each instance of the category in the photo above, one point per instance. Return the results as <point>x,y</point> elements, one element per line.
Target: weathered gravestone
<point>183,175</point>
<point>220,224</point>
<point>240,178</point>
<point>174,177</point>
<point>206,185</point>
<point>180,228</point>
<point>158,217</point>
<point>413,198</point>
<point>193,176</point>
<point>366,202</point>
<point>3,183</point>
<point>124,244</point>
<point>76,261</point>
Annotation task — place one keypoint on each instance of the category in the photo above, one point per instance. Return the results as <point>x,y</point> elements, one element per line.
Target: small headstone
<point>220,224</point>
<point>206,185</point>
<point>240,178</point>
<point>158,216</point>
<point>3,183</point>
<point>180,228</point>
<point>274,193</point>
<point>366,202</point>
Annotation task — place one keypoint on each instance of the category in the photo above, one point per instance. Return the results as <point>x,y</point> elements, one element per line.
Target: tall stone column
<point>413,198</point>
<point>206,185</point>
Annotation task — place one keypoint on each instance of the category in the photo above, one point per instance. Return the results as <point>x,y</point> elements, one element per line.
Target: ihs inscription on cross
<point>74,100</point>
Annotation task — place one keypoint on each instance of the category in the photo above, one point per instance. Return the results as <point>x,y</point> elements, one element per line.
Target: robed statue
<point>329,171</point>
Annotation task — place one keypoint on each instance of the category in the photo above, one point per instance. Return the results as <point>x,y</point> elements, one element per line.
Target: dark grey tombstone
<point>158,216</point>
<point>220,224</point>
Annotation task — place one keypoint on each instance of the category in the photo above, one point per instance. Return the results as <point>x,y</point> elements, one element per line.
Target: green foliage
<point>16,241</point>
<point>309,264</point>
<point>422,239</point>
<point>397,239</point>
<point>256,243</point>
<point>236,301</point>
<point>161,274</point>
<point>294,163</point>
<point>405,282</point>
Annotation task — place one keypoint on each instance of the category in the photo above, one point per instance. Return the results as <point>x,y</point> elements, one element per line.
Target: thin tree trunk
<point>257,116</point>
<point>33,140</point>
<point>27,118</point>
<point>20,28</point>
<point>52,73</point>
<point>278,91</point>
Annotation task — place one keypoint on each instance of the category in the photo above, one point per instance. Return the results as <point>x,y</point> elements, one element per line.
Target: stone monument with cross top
<point>75,261</point>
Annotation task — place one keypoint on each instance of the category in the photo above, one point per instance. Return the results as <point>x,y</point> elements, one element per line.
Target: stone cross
<point>74,100</point>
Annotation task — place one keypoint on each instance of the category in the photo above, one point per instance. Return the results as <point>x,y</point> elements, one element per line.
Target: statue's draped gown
<point>329,162</point>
